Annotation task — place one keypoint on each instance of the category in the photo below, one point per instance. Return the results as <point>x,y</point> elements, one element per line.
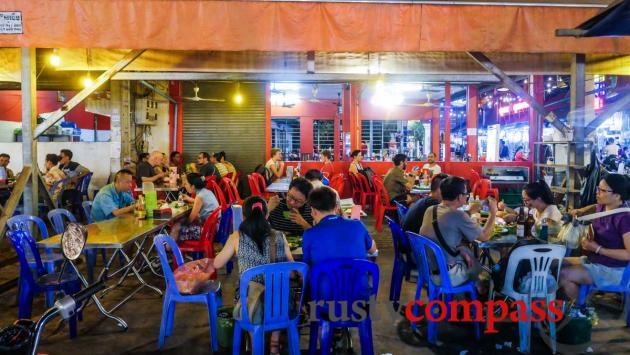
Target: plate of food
<point>295,241</point>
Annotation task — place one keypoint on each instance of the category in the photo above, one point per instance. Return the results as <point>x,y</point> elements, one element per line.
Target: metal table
<point>171,192</point>
<point>118,234</point>
<point>280,185</point>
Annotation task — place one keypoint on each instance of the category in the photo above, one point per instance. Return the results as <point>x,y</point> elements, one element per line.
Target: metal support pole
<point>29,122</point>
<point>447,121</point>
<point>576,118</point>
<point>485,62</point>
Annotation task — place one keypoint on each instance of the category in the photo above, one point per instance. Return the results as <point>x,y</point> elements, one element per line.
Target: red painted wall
<point>11,108</point>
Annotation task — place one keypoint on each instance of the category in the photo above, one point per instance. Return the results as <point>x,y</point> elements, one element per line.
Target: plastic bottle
<point>150,196</point>
<point>237,216</point>
<point>544,230</point>
<point>530,222</point>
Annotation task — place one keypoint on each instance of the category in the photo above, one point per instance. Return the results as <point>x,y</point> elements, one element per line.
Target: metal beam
<point>570,32</point>
<point>486,63</point>
<point>55,116</point>
<point>303,77</point>
<point>158,91</point>
<point>549,3</point>
<point>609,110</point>
<point>29,120</point>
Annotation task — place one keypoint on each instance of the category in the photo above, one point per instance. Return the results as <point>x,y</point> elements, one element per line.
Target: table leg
<point>99,305</point>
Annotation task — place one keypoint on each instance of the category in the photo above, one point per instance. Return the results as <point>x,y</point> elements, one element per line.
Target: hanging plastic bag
<point>192,276</point>
<point>570,234</point>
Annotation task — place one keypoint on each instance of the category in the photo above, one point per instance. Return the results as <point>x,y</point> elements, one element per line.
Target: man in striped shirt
<point>292,215</point>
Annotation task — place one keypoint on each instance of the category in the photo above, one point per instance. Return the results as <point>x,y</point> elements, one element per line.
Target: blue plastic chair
<point>84,184</point>
<point>172,294</point>
<point>402,211</point>
<point>421,246</point>
<point>623,288</point>
<point>49,259</point>
<point>59,217</point>
<point>348,281</point>
<point>39,281</point>
<point>403,262</point>
<point>277,313</point>
<point>87,211</point>
<point>223,233</point>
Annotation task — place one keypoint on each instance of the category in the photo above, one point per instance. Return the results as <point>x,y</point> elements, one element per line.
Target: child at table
<point>204,204</point>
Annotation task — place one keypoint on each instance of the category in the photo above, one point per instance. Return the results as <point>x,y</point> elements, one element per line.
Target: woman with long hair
<point>252,245</point>
<point>203,205</point>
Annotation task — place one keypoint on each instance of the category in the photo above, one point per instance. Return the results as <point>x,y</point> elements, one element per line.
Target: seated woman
<point>53,174</point>
<point>252,245</point>
<point>229,166</point>
<point>355,165</point>
<point>608,250</point>
<point>204,204</point>
<point>215,159</point>
<point>537,196</point>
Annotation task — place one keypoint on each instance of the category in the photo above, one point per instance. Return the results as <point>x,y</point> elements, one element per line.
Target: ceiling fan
<point>428,103</point>
<point>196,98</point>
<point>314,92</point>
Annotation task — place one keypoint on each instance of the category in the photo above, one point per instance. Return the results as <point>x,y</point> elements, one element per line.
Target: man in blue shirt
<point>114,199</point>
<point>333,237</point>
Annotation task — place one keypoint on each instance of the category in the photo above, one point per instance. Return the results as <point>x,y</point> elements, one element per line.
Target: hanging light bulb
<point>87,81</point>
<point>238,98</point>
<point>54,59</point>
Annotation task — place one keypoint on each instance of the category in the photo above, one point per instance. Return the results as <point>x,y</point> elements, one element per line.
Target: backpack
<point>266,173</point>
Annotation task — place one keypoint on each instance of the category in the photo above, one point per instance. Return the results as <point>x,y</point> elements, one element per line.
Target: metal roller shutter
<point>215,126</point>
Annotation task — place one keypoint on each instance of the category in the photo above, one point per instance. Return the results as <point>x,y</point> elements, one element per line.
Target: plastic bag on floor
<point>193,275</point>
<point>526,282</point>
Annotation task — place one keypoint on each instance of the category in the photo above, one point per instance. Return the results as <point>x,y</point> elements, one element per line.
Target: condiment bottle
<point>544,230</point>
<point>520,223</point>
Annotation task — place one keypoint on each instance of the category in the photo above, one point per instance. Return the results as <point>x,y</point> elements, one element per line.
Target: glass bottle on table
<point>520,223</point>
<point>530,222</point>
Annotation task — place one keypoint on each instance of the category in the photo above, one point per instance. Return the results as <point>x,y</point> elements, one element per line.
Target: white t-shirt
<point>435,169</point>
<point>551,213</point>
<point>612,149</point>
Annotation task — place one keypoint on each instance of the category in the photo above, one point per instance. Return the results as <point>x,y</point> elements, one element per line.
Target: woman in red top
<point>327,168</point>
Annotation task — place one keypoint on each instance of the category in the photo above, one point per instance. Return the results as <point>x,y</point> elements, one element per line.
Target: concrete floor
<point>98,335</point>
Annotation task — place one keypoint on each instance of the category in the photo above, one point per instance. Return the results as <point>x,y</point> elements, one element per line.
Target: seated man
<point>146,172</point>
<point>70,168</point>
<point>114,200</point>
<point>292,214</point>
<point>333,237</point>
<point>431,165</point>
<point>315,177</point>
<point>396,183</point>
<point>206,168</point>
<point>454,226</point>
<point>415,214</point>
<point>5,192</point>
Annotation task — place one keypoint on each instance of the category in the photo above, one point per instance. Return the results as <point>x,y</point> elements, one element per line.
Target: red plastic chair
<point>253,186</point>
<point>381,203</point>
<point>205,243</point>
<point>134,186</point>
<point>483,188</point>
<point>356,188</point>
<point>218,193</point>
<point>337,183</point>
<point>367,195</point>
<point>474,177</point>
<point>259,180</point>
<point>230,191</point>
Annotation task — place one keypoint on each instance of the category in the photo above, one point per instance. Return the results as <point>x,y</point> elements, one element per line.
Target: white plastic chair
<point>540,257</point>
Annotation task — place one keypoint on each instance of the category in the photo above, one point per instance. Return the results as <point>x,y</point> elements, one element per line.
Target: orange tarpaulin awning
<point>300,26</point>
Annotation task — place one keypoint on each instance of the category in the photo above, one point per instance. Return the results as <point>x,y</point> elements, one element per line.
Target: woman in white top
<point>537,196</point>
<point>356,166</point>
<point>275,164</point>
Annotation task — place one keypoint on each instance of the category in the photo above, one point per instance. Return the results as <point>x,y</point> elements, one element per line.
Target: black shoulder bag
<point>440,237</point>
